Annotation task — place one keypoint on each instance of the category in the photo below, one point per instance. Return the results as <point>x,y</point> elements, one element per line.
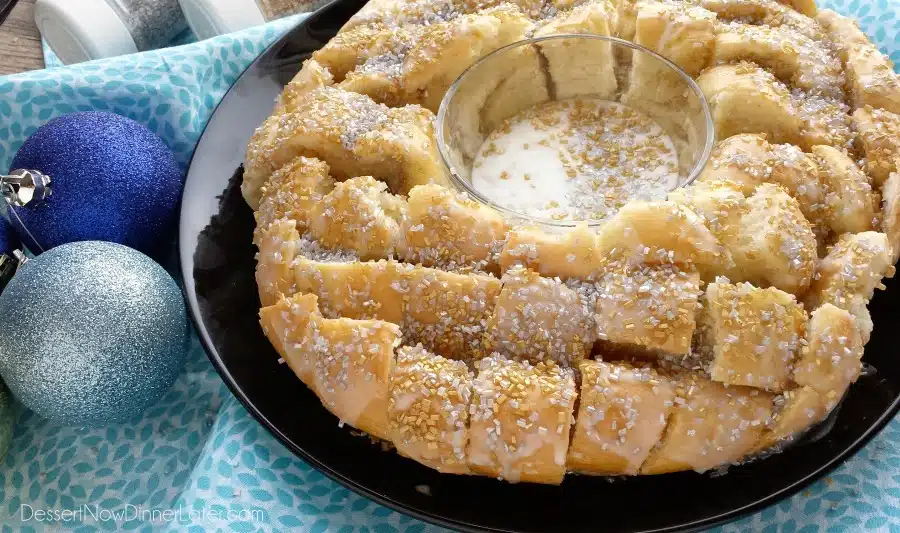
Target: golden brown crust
<point>360,215</point>
<point>285,324</point>
<point>871,78</point>
<point>879,137</point>
<point>622,414</point>
<point>710,426</point>
<point>353,134</point>
<point>569,254</point>
<point>520,420</point>
<point>448,230</point>
<point>851,205</point>
<point>744,98</point>
<point>766,235</point>
<point>292,192</point>
<point>429,409</point>
<point>749,335</point>
<point>277,249</point>
<point>890,223</point>
<point>643,308</point>
<point>538,319</point>
<point>793,57</point>
<point>830,360</point>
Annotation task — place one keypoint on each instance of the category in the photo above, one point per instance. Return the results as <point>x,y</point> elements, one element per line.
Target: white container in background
<point>208,18</point>
<point>81,30</point>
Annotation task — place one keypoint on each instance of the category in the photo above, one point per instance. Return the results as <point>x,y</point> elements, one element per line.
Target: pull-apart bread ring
<point>687,333</point>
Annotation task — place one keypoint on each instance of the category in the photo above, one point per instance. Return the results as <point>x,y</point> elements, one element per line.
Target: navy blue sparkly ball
<point>92,333</point>
<point>112,180</point>
<point>8,239</point>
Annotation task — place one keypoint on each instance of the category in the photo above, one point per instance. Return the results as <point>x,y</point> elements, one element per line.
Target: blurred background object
<point>20,41</point>
<point>83,30</point>
<point>209,18</point>
<point>35,34</point>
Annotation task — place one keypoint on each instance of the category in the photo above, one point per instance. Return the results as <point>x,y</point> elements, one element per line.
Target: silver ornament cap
<point>23,187</point>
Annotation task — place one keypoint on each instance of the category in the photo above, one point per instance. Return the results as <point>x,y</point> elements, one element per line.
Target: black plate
<point>217,260</point>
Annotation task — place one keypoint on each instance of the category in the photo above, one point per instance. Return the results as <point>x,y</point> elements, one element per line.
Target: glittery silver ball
<point>91,333</point>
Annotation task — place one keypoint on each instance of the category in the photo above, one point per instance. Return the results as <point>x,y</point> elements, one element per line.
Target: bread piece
<point>357,290</point>
<point>650,308</point>
<point>621,417</point>
<point>720,202</point>
<point>879,137</point>
<point>751,336</point>
<point>765,12</point>
<point>285,323</point>
<point>796,411</point>
<point>657,233</point>
<point>278,245</point>
<point>445,50</point>
<point>711,425</point>
<point>399,13</point>
<point>353,134</point>
<point>774,245</point>
<point>312,75</point>
<point>851,205</point>
<point>825,120</point>
<point>572,253</point>
<point>360,215</point>
<point>807,7</point>
<point>744,98</point>
<point>750,160</point>
<point>791,56</point>
<point>766,235</point>
<point>890,223</point>
<point>449,230</point>
<point>871,78</point>
<point>831,359</point>
<point>292,191</point>
<point>363,46</point>
<point>429,409</point>
<point>352,370</point>
<point>448,312</point>
<point>538,319</point>
<point>566,59</point>
<point>684,35</point>
<point>520,419</point>
<point>854,265</point>
<point>849,274</point>
<point>369,60</point>
<point>513,84</point>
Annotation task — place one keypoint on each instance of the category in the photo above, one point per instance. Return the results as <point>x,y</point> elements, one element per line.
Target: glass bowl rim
<point>696,168</point>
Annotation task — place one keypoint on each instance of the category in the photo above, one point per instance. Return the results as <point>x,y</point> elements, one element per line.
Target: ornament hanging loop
<point>25,187</point>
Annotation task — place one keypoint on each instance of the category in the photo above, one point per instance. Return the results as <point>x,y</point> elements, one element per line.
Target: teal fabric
<point>197,461</point>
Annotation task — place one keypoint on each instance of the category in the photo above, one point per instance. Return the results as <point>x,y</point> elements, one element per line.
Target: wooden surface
<point>20,41</point>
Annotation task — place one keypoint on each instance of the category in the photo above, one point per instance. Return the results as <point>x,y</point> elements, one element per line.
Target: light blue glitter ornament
<point>92,333</point>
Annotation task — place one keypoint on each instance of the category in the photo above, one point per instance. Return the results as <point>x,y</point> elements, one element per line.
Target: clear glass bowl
<point>536,71</point>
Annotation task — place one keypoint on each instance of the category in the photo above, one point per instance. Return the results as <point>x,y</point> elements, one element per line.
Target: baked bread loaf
<point>689,333</point>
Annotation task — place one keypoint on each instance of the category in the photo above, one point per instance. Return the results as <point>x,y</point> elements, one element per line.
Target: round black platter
<point>217,260</point>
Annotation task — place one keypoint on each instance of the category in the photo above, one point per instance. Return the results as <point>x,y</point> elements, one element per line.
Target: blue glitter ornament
<point>8,239</point>
<point>92,333</point>
<point>111,179</point>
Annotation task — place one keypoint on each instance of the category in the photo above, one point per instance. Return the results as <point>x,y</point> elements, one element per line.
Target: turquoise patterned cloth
<point>198,461</point>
